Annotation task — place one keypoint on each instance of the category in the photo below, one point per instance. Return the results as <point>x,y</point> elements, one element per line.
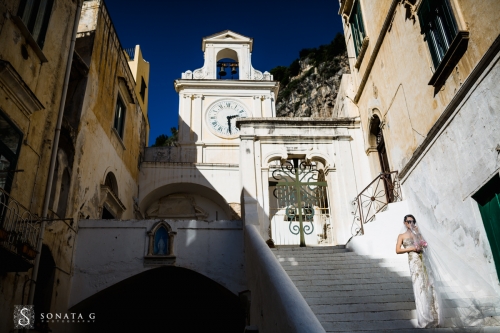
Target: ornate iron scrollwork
<point>299,190</point>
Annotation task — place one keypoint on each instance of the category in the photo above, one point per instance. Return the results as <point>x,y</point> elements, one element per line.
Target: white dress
<point>427,313</point>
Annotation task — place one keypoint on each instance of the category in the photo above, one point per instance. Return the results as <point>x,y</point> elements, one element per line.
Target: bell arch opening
<point>227,64</point>
<point>227,54</point>
<point>168,296</point>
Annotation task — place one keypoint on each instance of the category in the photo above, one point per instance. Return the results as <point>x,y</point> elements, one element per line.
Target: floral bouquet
<point>418,240</point>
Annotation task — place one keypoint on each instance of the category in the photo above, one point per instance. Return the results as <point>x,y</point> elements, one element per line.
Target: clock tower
<point>212,97</point>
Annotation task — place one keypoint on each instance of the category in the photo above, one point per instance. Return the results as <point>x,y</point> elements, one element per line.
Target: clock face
<point>221,118</point>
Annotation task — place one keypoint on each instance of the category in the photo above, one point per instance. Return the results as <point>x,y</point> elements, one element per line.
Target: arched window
<point>111,207</point>
<point>111,183</point>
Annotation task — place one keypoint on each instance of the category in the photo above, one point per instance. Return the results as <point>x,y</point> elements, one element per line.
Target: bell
<point>222,71</point>
<point>233,69</point>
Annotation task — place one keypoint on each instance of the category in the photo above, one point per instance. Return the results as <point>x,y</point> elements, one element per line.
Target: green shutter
<point>357,27</point>
<point>488,199</point>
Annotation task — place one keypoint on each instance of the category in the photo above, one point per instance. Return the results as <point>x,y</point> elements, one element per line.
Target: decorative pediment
<point>176,206</point>
<point>227,36</point>
<point>111,201</point>
<point>17,90</point>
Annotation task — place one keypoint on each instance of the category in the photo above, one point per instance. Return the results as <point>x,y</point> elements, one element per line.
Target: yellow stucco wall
<point>45,81</point>
<point>140,70</point>
<point>398,81</point>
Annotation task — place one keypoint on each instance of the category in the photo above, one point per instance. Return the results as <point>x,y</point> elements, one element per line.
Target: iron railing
<point>19,229</point>
<point>374,198</point>
<point>130,52</point>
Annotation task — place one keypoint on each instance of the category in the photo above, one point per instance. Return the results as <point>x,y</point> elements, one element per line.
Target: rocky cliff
<point>309,86</point>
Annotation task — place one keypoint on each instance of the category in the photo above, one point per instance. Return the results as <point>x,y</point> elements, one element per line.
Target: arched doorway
<point>165,299</point>
<point>378,134</point>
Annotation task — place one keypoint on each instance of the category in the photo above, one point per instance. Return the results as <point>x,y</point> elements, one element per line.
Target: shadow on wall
<point>188,201</point>
<point>165,299</point>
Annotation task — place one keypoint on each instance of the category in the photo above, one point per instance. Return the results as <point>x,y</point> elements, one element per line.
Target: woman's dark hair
<point>409,215</point>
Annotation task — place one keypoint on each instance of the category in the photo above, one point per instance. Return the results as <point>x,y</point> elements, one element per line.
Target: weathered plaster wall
<point>98,147</point>
<point>45,81</point>
<point>461,160</point>
<point>109,251</point>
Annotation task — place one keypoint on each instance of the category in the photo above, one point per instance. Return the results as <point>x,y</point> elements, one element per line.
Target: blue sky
<point>170,33</point>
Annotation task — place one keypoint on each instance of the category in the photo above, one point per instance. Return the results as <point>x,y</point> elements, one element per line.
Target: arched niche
<point>161,241</point>
<point>198,197</point>
<point>373,129</point>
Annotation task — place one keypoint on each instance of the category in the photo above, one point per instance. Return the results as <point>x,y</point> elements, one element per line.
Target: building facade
<point>424,80</point>
<point>102,104</point>
<point>35,39</point>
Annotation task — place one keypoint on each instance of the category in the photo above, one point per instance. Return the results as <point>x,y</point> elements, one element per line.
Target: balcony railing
<point>374,198</point>
<point>130,52</point>
<point>19,229</point>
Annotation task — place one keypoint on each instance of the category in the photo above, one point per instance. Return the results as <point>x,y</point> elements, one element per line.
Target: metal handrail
<point>381,191</point>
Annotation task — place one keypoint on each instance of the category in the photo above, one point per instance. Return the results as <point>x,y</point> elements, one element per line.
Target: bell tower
<point>213,97</point>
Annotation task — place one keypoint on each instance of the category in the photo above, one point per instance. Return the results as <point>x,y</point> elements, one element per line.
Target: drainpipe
<point>53,157</point>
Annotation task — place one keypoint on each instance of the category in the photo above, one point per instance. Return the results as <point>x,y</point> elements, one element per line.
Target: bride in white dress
<point>425,300</point>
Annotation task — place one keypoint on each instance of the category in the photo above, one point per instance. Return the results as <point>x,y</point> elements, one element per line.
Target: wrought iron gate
<point>301,201</point>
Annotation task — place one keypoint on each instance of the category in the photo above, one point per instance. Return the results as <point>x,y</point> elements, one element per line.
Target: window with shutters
<point>35,15</point>
<point>119,123</point>
<point>439,26</point>
<point>447,43</point>
<point>357,27</point>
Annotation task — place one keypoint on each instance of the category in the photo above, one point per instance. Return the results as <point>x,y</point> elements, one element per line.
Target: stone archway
<point>164,299</point>
<point>188,201</point>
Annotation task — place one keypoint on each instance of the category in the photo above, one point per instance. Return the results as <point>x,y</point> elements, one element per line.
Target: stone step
<point>333,258</point>
<point>352,287</point>
<point>312,252</point>
<point>333,294</point>
<point>353,282</point>
<point>317,300</point>
<point>373,326</point>
<point>307,248</point>
<point>350,308</point>
<point>348,269</point>
<point>369,316</point>
<point>320,275</point>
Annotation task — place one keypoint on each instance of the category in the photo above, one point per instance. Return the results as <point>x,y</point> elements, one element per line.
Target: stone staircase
<point>349,292</point>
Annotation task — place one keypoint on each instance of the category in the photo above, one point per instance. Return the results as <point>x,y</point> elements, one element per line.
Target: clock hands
<point>229,121</point>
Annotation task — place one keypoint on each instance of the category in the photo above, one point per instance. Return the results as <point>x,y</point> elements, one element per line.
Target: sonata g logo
<point>24,316</point>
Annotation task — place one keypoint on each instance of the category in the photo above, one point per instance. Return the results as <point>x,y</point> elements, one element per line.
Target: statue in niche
<point>161,250</point>
<point>161,242</point>
<point>176,206</point>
